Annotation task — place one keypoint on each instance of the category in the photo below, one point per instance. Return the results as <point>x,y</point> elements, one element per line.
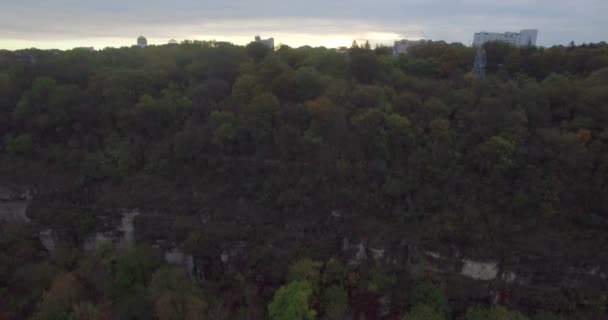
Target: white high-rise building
<point>528,37</point>
<point>522,38</point>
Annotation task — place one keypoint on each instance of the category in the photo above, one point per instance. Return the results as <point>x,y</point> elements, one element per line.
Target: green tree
<point>224,126</point>
<point>497,53</point>
<point>292,302</point>
<point>498,155</point>
<point>244,88</point>
<point>117,157</point>
<point>87,311</point>
<point>547,316</point>
<point>134,267</point>
<point>176,296</point>
<point>309,83</point>
<point>334,273</point>
<point>174,306</point>
<point>364,65</point>
<point>334,302</point>
<point>58,302</point>
<point>257,51</point>
<point>370,125</point>
<point>306,270</point>
<point>427,294</point>
<point>259,118</point>
<point>21,145</point>
<point>168,278</point>
<point>493,313</point>
<point>423,312</point>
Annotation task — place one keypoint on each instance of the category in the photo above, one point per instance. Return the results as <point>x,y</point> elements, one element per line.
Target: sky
<point>66,24</point>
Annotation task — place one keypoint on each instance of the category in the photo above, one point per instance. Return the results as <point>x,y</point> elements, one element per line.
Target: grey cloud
<point>559,21</point>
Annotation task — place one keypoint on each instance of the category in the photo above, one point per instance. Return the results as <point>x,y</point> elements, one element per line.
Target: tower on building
<point>479,65</point>
<point>142,42</point>
<point>267,42</point>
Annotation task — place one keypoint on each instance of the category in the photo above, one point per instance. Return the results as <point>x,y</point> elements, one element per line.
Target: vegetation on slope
<point>414,139</point>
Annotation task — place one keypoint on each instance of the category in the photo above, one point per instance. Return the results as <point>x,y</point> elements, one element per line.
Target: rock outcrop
<point>14,202</point>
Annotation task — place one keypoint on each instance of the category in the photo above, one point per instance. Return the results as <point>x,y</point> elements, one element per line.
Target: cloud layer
<point>64,23</point>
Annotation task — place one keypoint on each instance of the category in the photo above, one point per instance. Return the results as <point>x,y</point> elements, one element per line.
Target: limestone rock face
<point>127,227</point>
<point>472,273</point>
<point>484,271</point>
<point>48,239</point>
<point>14,211</point>
<point>178,258</point>
<point>14,202</point>
<point>94,241</point>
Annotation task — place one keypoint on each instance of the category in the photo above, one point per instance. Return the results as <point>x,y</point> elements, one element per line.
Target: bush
<point>20,145</point>
<point>431,296</point>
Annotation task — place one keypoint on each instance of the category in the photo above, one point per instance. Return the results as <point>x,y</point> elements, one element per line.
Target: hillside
<point>362,184</point>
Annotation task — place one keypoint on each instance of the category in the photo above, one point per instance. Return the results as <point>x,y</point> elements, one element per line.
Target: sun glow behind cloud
<point>291,32</point>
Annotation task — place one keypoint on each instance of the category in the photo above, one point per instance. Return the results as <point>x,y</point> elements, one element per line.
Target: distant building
<point>528,37</point>
<point>142,42</point>
<point>172,42</point>
<point>267,42</point>
<point>519,39</point>
<point>85,48</point>
<point>402,46</point>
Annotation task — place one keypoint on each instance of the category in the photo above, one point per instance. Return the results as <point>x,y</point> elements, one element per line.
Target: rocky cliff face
<point>515,274</point>
<point>14,201</point>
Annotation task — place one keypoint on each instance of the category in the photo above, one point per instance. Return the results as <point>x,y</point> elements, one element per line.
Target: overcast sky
<point>70,23</point>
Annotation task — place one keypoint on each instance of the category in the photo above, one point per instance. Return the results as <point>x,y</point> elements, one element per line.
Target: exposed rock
<point>178,258</point>
<point>377,254</point>
<point>234,255</point>
<point>5,193</point>
<point>13,204</point>
<point>128,228</point>
<point>27,194</point>
<point>594,271</point>
<point>345,244</point>
<point>432,254</point>
<point>11,193</point>
<point>384,306</point>
<point>204,218</point>
<point>361,253</point>
<point>14,211</point>
<point>48,239</point>
<point>484,271</point>
<point>508,277</point>
<point>356,252</point>
<point>93,242</point>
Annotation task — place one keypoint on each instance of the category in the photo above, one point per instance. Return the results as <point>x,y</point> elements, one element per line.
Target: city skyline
<point>65,24</point>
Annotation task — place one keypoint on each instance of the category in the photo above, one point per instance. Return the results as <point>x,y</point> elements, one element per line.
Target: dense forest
<point>288,148</point>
